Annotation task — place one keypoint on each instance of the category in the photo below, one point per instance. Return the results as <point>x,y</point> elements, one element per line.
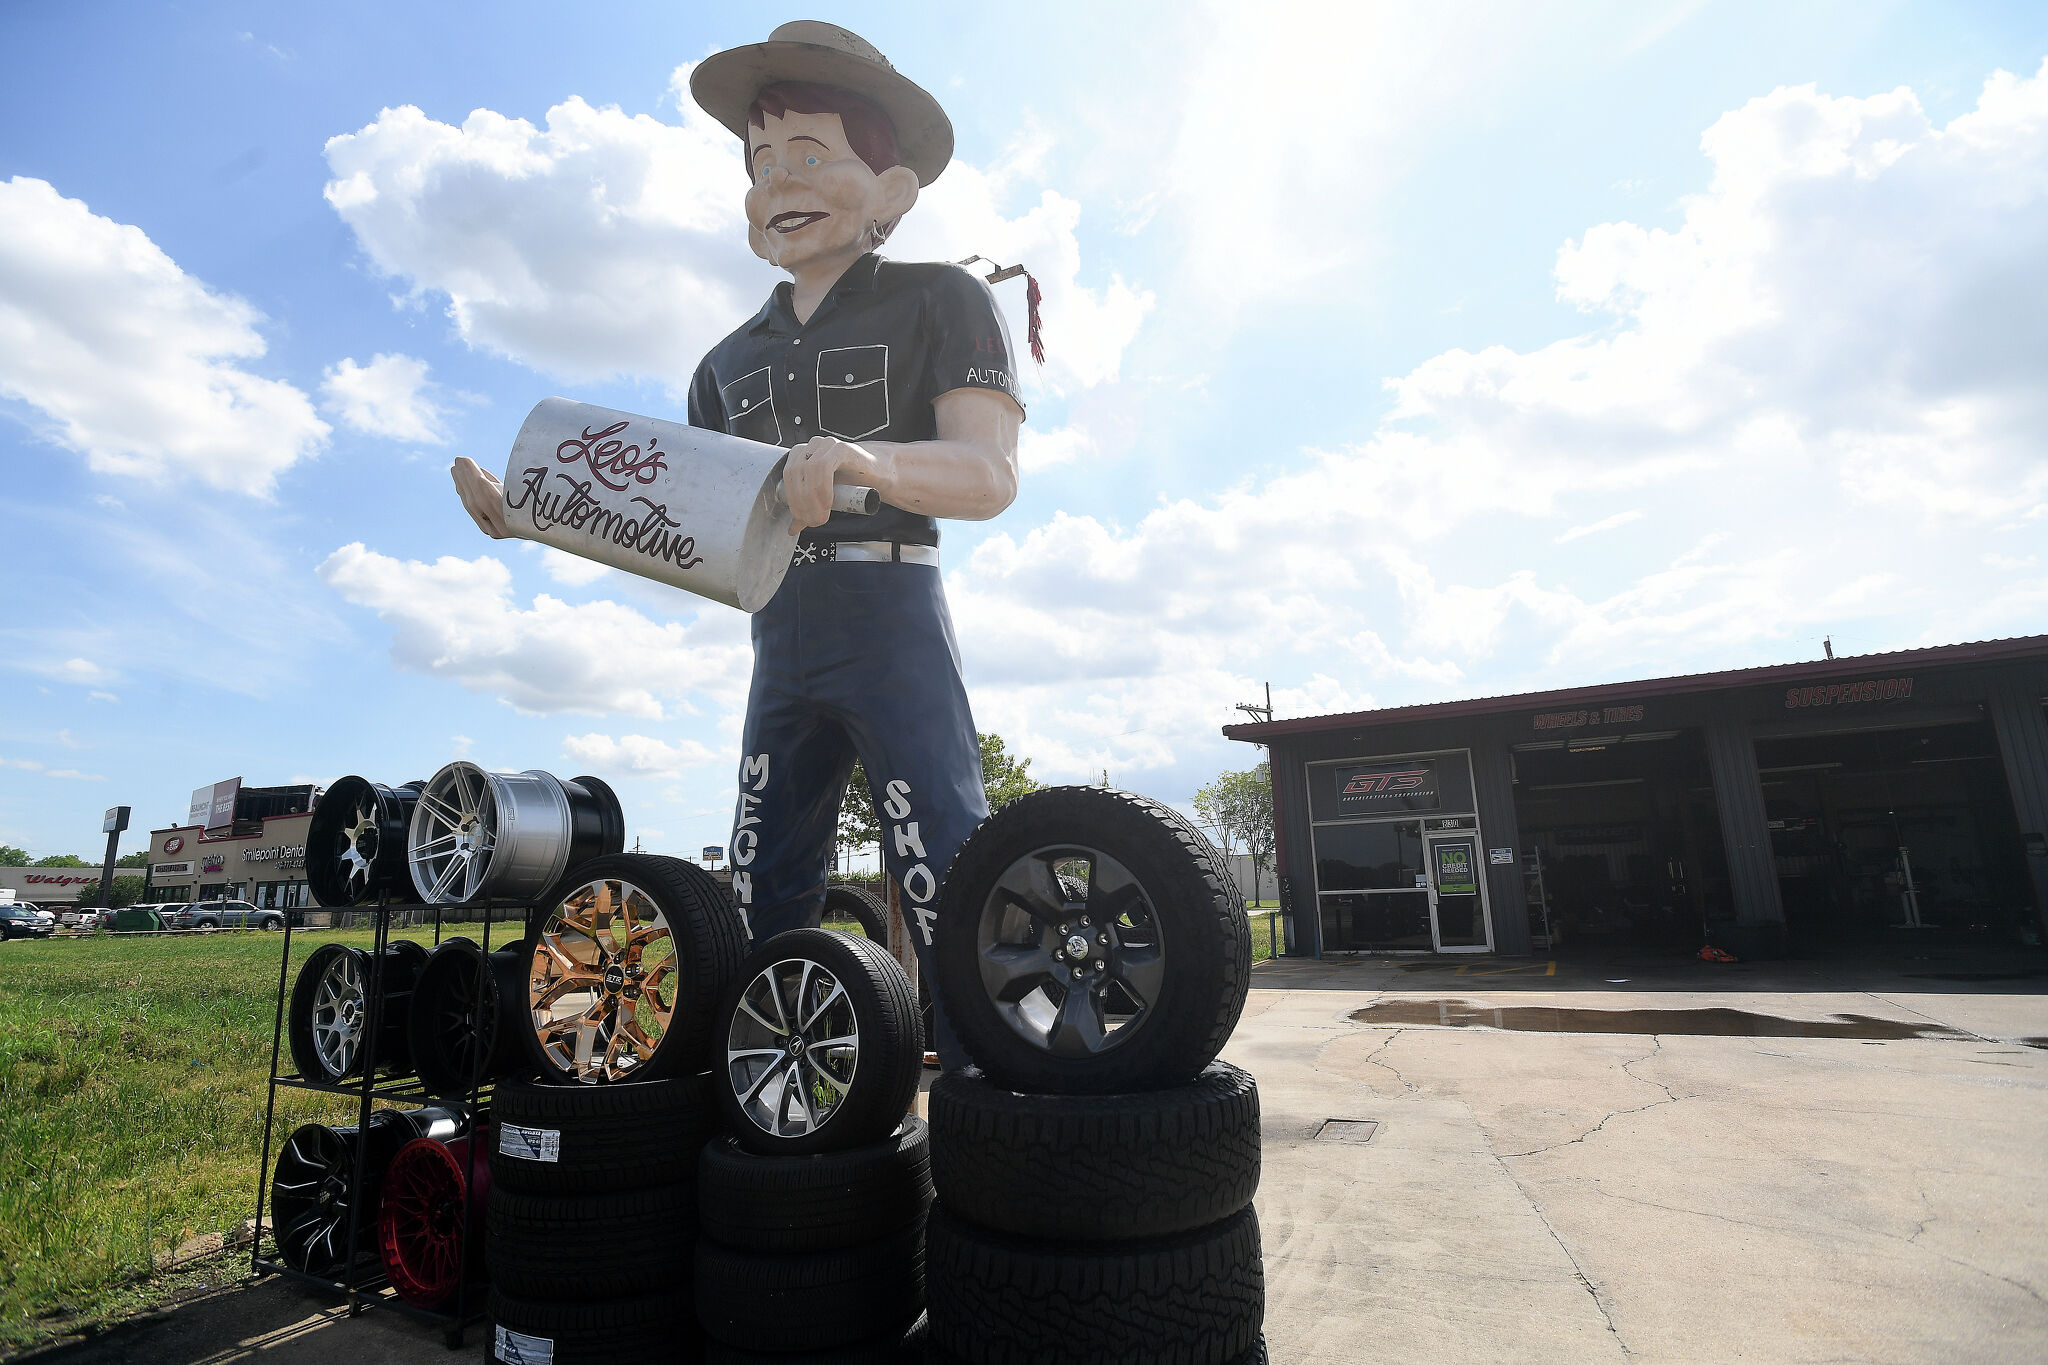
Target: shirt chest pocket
<point>853,391</point>
<point>750,408</point>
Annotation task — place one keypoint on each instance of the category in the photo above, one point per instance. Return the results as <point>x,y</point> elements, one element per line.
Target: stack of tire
<point>1095,1169</point>
<point>812,1203</point>
<point>592,1217</point>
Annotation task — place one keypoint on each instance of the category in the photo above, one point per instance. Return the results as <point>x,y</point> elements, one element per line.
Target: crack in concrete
<point>1578,1273</point>
<point>1656,1046</point>
<point>1374,1058</point>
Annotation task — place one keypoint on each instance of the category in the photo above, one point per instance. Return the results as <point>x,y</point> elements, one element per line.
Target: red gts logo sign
<point>1365,784</point>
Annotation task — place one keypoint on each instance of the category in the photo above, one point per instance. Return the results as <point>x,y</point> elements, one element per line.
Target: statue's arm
<point>968,472</point>
<point>483,497</point>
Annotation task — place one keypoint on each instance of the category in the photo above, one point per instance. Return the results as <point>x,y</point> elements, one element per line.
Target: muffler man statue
<point>892,375</point>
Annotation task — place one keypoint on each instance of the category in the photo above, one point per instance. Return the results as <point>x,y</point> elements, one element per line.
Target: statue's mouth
<point>791,222</point>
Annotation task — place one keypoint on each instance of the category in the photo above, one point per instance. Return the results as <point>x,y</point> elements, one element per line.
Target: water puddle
<point>1709,1023</point>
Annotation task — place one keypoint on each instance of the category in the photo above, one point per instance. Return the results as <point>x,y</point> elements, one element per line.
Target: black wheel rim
<point>1071,952</point>
<point>310,1198</point>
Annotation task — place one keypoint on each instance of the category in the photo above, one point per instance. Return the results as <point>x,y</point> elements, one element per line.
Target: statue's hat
<point>818,53</point>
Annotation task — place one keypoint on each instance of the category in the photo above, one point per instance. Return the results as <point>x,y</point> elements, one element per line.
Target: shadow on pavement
<point>268,1322</point>
<point>1923,967</point>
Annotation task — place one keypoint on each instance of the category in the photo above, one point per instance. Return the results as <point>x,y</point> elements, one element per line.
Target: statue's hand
<point>811,470</point>
<point>483,497</point>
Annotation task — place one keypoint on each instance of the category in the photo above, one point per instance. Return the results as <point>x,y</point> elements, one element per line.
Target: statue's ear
<point>758,240</point>
<point>898,189</point>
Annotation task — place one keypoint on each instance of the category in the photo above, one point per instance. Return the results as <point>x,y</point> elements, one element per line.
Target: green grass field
<point>131,1108</point>
<point>132,1088</point>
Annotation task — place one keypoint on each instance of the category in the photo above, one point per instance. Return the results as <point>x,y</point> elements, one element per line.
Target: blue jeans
<point>855,659</point>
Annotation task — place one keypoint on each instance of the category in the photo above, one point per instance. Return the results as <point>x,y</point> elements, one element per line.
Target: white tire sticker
<point>517,1348</point>
<point>530,1144</point>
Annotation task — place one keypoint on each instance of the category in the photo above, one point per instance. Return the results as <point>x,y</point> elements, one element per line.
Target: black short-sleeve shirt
<point>890,338</point>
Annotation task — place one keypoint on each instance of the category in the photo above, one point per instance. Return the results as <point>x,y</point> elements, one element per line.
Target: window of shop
<point>1397,855</point>
<point>281,895</point>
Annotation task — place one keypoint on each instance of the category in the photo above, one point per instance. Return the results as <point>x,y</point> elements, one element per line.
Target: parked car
<point>22,921</point>
<point>84,916</point>
<point>226,915</point>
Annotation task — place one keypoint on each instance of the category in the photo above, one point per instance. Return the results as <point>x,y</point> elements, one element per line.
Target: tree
<point>1003,776</point>
<point>1239,807</point>
<point>10,856</point>
<point>61,860</point>
<point>127,891</point>
<point>139,858</point>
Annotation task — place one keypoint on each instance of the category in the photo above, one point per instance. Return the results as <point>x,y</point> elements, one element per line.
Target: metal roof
<point>1978,652</point>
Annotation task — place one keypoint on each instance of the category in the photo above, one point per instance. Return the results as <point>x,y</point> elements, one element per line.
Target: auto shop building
<point>1832,803</point>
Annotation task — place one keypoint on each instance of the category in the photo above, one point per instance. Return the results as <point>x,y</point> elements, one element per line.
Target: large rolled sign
<point>699,510</point>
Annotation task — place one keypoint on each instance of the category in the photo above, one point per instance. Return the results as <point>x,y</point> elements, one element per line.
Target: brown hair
<point>868,130</point>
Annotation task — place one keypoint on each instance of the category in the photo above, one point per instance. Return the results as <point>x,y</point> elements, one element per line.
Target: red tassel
<point>1031,299</point>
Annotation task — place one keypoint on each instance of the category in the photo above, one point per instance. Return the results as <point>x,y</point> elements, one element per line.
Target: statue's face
<point>813,198</point>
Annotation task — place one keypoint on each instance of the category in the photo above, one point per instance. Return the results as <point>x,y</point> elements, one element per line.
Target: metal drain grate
<point>1347,1130</point>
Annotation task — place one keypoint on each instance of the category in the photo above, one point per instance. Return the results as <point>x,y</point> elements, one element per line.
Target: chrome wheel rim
<point>337,1018</point>
<point>603,984</point>
<point>454,833</point>
<point>793,1048</point>
<point>1070,951</point>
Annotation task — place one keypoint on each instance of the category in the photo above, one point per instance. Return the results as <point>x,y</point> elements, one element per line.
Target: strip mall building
<point>1812,805</point>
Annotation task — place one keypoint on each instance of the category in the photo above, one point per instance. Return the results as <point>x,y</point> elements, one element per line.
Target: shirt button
<point>792,375</point>
<point>746,402</point>
<point>798,342</point>
<point>799,421</point>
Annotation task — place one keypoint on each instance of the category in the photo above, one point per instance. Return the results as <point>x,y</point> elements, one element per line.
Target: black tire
<point>1159,963</point>
<point>587,1139</point>
<point>903,1347</point>
<point>656,1328</point>
<point>862,907</point>
<point>584,954</point>
<point>810,1303</point>
<point>459,1022</point>
<point>402,962</point>
<point>872,1091</point>
<point>1196,1299</point>
<point>934,1356</point>
<point>585,1247</point>
<point>1127,1167</point>
<point>808,1204</point>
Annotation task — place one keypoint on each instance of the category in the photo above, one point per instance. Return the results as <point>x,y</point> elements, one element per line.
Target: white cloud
<point>25,764</point>
<point>1041,450</point>
<point>387,397</point>
<point>73,775</point>
<point>610,244</point>
<point>78,671</point>
<point>639,755</point>
<point>132,362</point>
<point>1604,524</point>
<point>1822,388</point>
<point>569,570</point>
<point>456,619</point>
<point>102,696</point>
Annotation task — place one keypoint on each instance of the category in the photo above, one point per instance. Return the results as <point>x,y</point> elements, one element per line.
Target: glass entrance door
<point>1457,894</point>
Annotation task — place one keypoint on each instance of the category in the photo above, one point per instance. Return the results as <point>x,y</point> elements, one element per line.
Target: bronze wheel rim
<point>603,985</point>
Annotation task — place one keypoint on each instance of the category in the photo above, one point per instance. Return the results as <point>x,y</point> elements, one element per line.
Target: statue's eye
<point>810,161</point>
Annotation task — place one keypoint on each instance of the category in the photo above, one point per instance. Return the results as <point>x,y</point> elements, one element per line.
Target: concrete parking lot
<point>1709,1164</point>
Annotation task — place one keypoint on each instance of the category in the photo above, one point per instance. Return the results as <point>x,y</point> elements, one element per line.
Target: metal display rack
<point>361,1277</point>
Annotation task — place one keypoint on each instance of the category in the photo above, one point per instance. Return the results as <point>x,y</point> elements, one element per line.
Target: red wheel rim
<point>420,1227</point>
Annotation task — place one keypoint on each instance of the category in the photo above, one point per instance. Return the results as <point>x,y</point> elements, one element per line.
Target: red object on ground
<point>420,1227</point>
<point>1712,954</point>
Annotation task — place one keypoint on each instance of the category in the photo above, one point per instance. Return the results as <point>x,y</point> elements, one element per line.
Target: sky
<point>1395,353</point>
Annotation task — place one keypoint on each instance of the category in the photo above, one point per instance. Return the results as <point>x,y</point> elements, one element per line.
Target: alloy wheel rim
<point>337,1019</point>
<point>1070,951</point>
<point>460,833</point>
<point>603,984</point>
<point>793,1048</point>
<point>319,1162</point>
<point>362,839</point>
